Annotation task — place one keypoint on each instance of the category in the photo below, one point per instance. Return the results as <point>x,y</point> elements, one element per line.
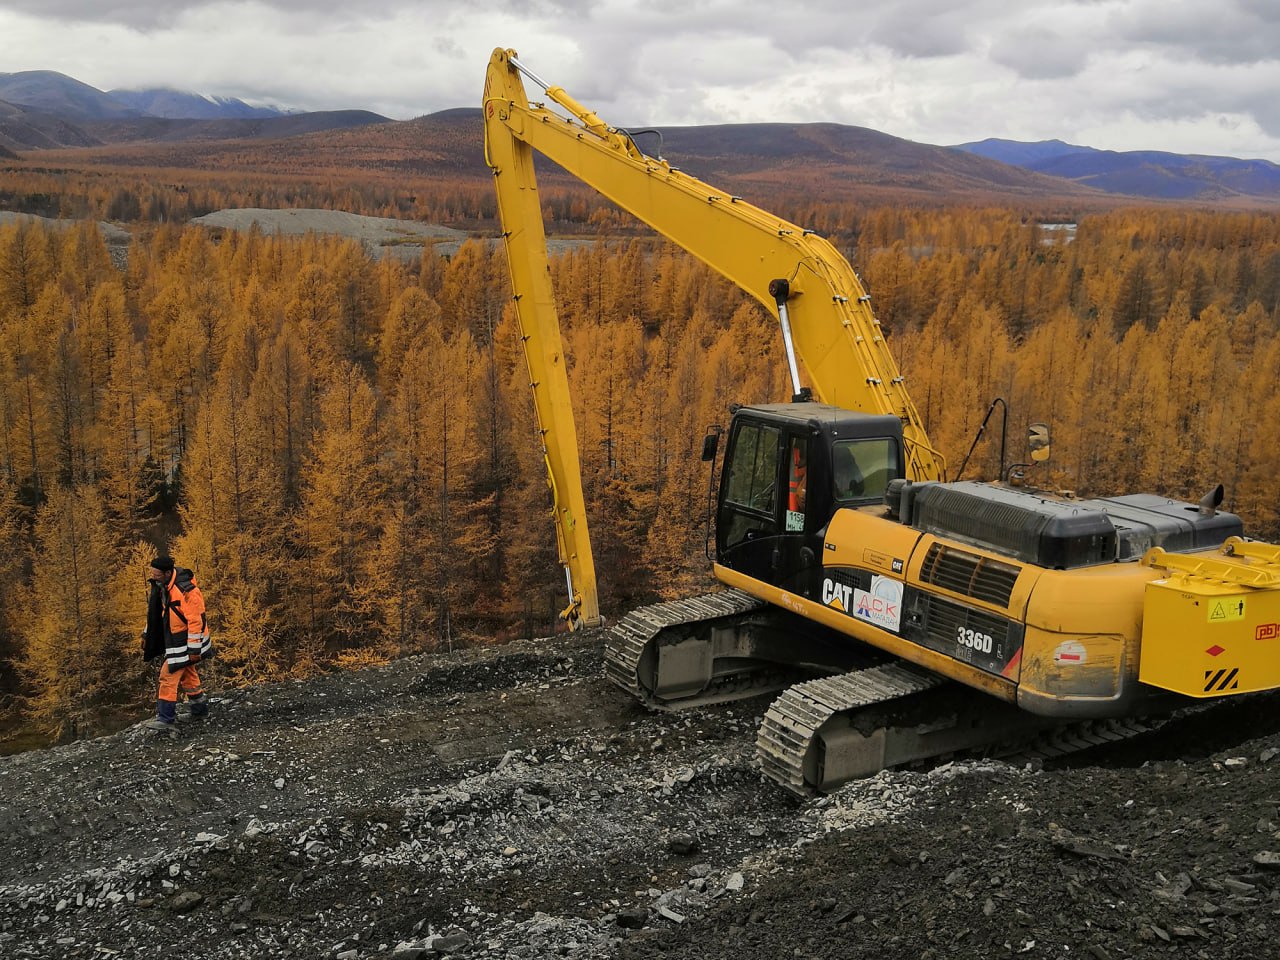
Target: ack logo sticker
<point>881,605</point>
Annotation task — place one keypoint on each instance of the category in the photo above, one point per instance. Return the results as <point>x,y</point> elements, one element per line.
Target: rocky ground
<point>507,802</point>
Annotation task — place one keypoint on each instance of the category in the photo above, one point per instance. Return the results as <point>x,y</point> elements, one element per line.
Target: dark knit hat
<point>162,563</point>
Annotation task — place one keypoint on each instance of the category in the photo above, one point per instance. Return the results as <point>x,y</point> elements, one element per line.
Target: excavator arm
<point>799,277</point>
<point>511,159</point>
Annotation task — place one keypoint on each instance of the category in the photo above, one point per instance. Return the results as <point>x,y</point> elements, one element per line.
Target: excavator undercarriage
<point>720,647</point>
<point>845,711</point>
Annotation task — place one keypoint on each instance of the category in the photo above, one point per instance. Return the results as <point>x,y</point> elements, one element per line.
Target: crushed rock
<point>449,806</point>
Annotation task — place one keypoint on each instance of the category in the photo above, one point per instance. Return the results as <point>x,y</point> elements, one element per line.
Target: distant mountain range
<point>43,110</point>
<point>64,97</point>
<point>785,162</point>
<point>1143,173</point>
<point>68,98</point>
<point>176,105</point>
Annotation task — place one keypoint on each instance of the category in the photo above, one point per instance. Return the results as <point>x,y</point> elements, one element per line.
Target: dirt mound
<point>508,802</point>
<point>381,235</point>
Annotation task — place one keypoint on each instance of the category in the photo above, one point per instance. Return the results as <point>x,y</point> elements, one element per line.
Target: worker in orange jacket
<point>178,628</point>
<point>799,480</point>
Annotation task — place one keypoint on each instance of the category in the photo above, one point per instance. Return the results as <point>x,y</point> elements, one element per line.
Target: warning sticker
<point>1071,652</point>
<point>1226,609</point>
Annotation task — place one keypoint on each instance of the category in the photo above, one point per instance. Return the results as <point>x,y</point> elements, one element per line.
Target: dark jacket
<point>155,639</point>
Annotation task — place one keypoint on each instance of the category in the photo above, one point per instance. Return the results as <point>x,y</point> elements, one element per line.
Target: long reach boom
<point>801,279</point>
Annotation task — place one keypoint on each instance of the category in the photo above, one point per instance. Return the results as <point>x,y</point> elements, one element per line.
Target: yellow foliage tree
<point>75,620</point>
<point>341,511</point>
<point>13,554</point>
<point>24,269</point>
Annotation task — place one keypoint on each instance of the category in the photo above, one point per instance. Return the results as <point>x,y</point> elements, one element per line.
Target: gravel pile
<point>382,236</point>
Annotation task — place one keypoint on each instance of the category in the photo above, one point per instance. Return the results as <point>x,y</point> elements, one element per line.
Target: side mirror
<point>1038,442</point>
<point>710,444</point>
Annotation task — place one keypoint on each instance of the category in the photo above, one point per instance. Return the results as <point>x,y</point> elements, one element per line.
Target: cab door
<point>764,502</point>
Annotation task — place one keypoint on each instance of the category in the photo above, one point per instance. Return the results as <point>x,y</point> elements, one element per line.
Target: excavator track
<point>635,652</point>
<point>1066,739</point>
<point>790,744</point>
<point>858,719</point>
<point>826,732</point>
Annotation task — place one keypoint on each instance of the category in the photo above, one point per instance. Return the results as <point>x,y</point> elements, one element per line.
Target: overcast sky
<point>1189,76</point>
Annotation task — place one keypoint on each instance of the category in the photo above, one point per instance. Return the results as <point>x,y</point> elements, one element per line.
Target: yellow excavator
<point>873,593</point>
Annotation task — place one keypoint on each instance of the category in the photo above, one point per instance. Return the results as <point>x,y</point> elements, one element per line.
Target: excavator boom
<point>511,159</point>
<point>799,277</point>
<point>820,298</point>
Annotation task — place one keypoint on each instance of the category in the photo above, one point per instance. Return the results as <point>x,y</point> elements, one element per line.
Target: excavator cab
<point>788,468</point>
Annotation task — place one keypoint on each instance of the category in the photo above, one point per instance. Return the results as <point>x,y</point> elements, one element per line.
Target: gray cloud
<point>1226,32</point>
<point>929,28</point>
<point>1264,108</point>
<point>139,14</point>
<point>1040,53</point>
<point>148,15</point>
<point>1123,74</point>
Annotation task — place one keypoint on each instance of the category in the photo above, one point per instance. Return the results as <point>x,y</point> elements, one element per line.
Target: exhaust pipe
<point>1210,502</point>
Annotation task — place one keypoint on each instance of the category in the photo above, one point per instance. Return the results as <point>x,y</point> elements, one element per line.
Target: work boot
<point>166,716</point>
<point>196,708</point>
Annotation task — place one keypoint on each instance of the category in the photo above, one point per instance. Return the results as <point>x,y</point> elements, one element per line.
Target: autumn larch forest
<point>343,446</point>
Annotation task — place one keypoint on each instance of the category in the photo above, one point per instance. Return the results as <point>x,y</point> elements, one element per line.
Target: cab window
<point>861,469</point>
<point>753,469</point>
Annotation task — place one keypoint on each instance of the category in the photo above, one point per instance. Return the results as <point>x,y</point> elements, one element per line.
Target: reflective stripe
<point>200,642</point>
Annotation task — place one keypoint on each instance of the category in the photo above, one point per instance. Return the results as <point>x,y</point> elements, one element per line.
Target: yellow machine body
<point>1211,627</point>
<point>1090,642</point>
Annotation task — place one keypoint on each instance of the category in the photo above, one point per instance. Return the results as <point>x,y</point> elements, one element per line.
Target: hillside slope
<point>825,162</point>
<point>508,802</point>
<point>24,128</point>
<point>170,130</point>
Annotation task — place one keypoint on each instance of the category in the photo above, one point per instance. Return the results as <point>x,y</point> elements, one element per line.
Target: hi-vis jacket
<point>186,627</point>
